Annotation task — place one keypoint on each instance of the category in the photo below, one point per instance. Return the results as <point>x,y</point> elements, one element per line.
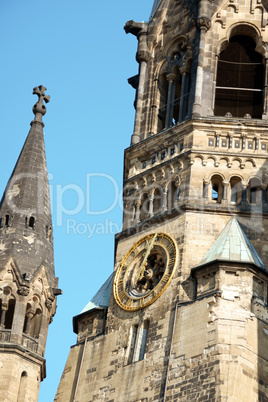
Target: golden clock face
<point>145,271</point>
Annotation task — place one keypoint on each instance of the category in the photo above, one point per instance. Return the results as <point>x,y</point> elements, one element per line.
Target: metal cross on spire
<point>39,108</point>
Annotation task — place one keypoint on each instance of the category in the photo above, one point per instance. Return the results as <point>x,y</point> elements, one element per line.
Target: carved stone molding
<point>23,291</point>
<point>48,304</point>
<point>203,23</point>
<point>171,77</point>
<point>142,56</point>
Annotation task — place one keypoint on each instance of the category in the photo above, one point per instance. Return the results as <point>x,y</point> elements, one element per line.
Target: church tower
<point>28,286</point>
<point>184,315</point>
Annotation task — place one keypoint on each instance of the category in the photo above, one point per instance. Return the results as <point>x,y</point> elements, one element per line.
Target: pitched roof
<point>102,298</point>
<point>233,245</point>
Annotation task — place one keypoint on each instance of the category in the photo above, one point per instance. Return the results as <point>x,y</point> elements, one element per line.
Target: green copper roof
<point>101,298</point>
<point>233,245</point>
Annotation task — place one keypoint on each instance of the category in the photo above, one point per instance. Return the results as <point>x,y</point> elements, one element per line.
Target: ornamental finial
<point>39,108</point>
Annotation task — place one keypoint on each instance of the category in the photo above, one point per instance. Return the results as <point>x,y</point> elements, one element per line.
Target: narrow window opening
<point>215,192</point>
<point>27,319</point>
<point>253,195</point>
<point>173,194</point>
<point>236,191</point>
<point>36,324</point>
<point>10,314</point>
<point>144,334</point>
<point>216,188</point>
<point>233,195</point>
<point>49,232</point>
<point>22,387</point>
<point>140,342</point>
<point>255,192</point>
<point>157,203</point>
<point>31,222</point>
<point>144,207</point>
<point>7,220</point>
<point>133,335</point>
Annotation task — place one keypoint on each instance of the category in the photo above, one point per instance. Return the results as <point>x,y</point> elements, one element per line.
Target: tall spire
<point>25,213</point>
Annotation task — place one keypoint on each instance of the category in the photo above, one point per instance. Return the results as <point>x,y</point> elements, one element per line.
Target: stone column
<point>164,200</point>
<point>257,142</point>
<point>205,189</point>
<point>230,145</point>
<point>3,315</point>
<point>263,193</point>
<point>142,58</point>
<point>217,144</point>
<point>170,99</point>
<point>244,202</point>
<point>225,184</point>
<point>153,125</point>
<point>182,100</point>
<point>151,205</point>
<point>214,84</point>
<point>139,29</point>
<point>29,316</point>
<point>243,141</point>
<point>137,210</point>
<point>203,24</point>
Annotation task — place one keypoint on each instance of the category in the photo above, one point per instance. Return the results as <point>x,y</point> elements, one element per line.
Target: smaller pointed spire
<point>233,245</point>
<point>25,213</point>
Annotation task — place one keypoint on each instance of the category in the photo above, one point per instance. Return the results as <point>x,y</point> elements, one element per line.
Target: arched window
<point>173,194</point>
<point>255,192</point>
<point>236,190</point>
<point>32,322</point>
<point>23,387</point>
<point>144,208</point>
<point>240,78</point>
<point>27,320</point>
<point>174,89</point>
<point>157,202</point>
<point>216,188</point>
<point>36,324</point>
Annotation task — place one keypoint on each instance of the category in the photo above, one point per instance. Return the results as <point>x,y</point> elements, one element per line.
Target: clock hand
<point>144,262</point>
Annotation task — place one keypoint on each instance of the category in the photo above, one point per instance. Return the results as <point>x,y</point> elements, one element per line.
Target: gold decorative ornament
<point>145,272</point>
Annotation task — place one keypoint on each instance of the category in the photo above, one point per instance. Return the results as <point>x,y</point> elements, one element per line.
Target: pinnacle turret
<point>25,213</point>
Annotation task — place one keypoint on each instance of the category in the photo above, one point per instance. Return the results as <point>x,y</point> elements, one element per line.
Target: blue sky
<point>79,51</point>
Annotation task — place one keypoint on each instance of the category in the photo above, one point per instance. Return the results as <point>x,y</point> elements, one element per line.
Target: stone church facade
<point>184,315</point>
